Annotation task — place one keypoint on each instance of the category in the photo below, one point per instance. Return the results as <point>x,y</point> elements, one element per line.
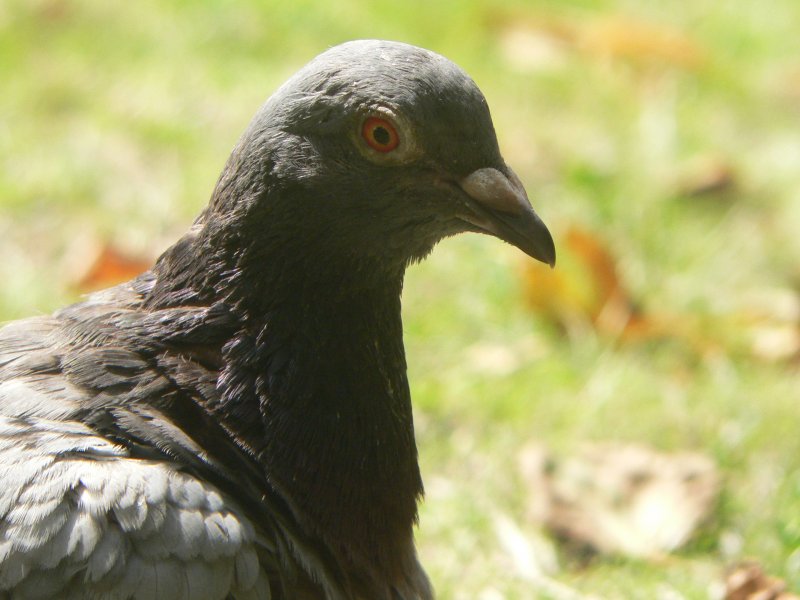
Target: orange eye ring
<point>380,134</point>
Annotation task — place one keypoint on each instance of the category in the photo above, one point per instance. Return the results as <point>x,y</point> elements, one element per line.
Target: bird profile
<point>236,422</point>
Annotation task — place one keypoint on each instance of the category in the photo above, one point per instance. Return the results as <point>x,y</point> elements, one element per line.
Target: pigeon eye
<point>380,134</point>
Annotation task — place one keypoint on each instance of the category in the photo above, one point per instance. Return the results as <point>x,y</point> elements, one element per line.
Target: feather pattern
<point>87,514</point>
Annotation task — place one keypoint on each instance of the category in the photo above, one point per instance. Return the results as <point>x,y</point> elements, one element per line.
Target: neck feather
<point>338,437</point>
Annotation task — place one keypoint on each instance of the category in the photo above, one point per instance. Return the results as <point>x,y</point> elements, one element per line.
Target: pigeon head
<point>376,149</point>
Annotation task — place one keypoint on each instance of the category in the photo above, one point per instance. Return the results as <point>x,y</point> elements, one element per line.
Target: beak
<point>497,204</point>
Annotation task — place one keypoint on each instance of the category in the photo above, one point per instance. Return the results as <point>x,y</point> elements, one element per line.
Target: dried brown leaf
<point>586,291</point>
<point>747,581</point>
<point>536,41</point>
<point>621,499</point>
<point>585,288</point>
<point>707,176</point>
<point>108,266</point>
<point>642,43</point>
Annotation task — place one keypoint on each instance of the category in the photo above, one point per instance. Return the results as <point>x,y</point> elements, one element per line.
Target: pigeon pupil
<point>380,135</point>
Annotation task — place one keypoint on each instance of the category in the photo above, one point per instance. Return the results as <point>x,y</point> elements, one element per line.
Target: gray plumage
<point>236,422</point>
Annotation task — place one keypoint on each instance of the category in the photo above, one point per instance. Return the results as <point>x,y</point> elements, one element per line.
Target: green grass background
<point>116,117</point>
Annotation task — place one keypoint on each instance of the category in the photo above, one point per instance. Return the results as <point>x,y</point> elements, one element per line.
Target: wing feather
<point>108,492</point>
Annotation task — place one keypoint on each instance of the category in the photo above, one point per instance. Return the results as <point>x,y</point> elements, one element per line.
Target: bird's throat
<point>338,430</point>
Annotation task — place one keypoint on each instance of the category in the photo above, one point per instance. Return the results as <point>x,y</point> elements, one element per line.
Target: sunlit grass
<point>117,117</point>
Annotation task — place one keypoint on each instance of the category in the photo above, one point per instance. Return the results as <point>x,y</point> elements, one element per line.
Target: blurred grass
<point>117,117</point>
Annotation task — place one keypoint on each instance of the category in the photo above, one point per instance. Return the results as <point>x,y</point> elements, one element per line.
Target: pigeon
<point>236,422</point>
